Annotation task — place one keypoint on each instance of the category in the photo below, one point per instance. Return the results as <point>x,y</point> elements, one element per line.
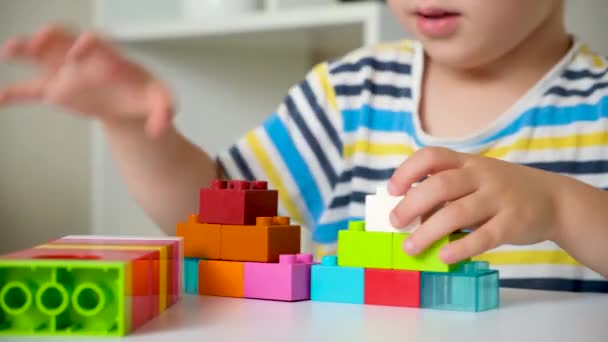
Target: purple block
<point>288,280</point>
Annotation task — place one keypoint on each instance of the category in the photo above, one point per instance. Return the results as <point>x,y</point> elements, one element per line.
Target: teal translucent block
<point>471,287</point>
<point>191,275</point>
<point>332,283</point>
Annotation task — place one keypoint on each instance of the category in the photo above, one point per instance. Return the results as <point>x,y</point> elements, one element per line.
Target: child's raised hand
<point>86,75</point>
<point>503,203</point>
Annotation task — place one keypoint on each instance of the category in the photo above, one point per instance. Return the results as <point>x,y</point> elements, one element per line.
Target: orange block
<point>221,278</point>
<point>201,240</point>
<point>264,242</point>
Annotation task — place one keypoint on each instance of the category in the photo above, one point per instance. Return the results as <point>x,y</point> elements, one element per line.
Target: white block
<point>378,208</point>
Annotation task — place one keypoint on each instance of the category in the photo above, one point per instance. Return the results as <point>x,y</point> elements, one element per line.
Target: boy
<point>510,124</point>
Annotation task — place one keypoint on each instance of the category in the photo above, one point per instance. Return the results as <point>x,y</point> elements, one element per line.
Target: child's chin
<point>454,54</point>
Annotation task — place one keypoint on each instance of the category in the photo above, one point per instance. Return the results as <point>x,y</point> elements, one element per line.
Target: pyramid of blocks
<point>237,246</point>
<point>88,285</point>
<point>371,268</point>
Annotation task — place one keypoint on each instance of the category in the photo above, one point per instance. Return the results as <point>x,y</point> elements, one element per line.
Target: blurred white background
<point>57,177</point>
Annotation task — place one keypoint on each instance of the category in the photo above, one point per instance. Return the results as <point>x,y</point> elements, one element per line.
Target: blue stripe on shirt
<point>300,172</point>
<point>375,64</point>
<point>400,121</point>
<point>374,88</point>
<point>573,167</point>
<point>377,119</point>
<point>557,284</point>
<point>554,116</point>
<point>322,116</point>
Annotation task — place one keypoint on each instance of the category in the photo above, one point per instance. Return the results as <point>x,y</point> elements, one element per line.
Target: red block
<point>237,202</point>
<point>392,287</point>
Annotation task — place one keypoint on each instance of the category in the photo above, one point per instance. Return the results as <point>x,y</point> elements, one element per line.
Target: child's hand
<point>86,75</point>
<point>504,203</point>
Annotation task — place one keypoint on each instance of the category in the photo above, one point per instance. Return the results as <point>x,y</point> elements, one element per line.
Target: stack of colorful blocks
<point>89,285</point>
<point>237,246</point>
<point>371,268</point>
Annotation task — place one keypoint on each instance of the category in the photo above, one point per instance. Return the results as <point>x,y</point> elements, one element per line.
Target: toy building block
<point>191,275</point>
<point>473,287</point>
<point>377,212</point>
<point>141,270</point>
<point>264,242</point>
<point>358,248</point>
<point>289,280</point>
<point>221,278</point>
<point>428,260</point>
<point>161,263</point>
<point>332,283</point>
<point>171,260</point>
<point>65,297</point>
<point>237,202</point>
<point>201,240</point>
<point>392,287</point>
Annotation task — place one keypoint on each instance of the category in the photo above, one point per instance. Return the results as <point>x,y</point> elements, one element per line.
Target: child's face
<point>471,33</point>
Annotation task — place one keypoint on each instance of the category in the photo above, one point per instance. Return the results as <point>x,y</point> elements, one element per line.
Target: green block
<point>428,260</point>
<point>63,297</point>
<point>358,248</point>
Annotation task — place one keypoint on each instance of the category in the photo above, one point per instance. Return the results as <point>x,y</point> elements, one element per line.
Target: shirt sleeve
<point>297,149</point>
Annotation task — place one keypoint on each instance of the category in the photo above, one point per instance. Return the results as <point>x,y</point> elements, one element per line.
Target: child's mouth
<point>437,22</point>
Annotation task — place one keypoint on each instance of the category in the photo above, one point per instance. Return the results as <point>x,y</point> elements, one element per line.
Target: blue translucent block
<point>191,275</point>
<point>332,283</point>
<point>471,287</point>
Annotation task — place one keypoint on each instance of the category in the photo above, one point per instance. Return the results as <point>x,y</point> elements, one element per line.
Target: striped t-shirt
<point>341,132</point>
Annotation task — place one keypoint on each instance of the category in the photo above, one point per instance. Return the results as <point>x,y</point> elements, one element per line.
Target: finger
<point>462,213</point>
<point>161,111</point>
<point>488,236</point>
<point>50,45</point>
<point>434,191</point>
<point>13,48</point>
<point>26,91</point>
<point>429,160</point>
<point>85,46</point>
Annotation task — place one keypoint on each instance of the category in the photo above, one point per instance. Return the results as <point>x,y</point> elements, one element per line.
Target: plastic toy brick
<point>144,281</point>
<point>358,248</point>
<point>65,297</point>
<point>392,287</point>
<point>191,275</point>
<point>264,242</point>
<point>289,280</point>
<point>377,212</point>
<point>161,264</point>
<point>221,278</point>
<point>332,283</point>
<point>428,260</point>
<point>473,287</point>
<point>237,202</point>
<point>201,240</point>
<point>175,254</point>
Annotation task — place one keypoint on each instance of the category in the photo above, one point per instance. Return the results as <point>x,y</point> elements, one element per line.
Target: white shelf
<point>285,19</point>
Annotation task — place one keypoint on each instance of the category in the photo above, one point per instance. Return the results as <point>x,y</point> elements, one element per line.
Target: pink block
<point>288,280</point>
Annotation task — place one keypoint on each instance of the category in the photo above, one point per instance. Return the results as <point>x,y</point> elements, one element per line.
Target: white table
<point>524,315</point>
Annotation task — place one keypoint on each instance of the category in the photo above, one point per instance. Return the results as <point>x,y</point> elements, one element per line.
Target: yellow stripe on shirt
<point>364,146</point>
<point>555,257</point>
<point>328,89</point>
<point>570,141</point>
<point>273,175</point>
